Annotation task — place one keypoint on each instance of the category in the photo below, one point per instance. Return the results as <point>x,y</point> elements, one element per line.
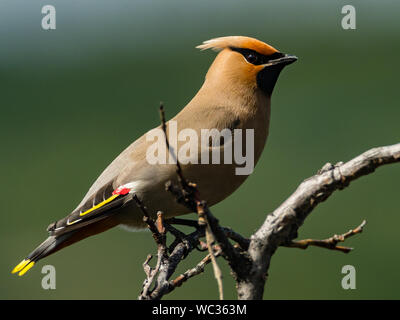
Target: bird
<point>235,95</point>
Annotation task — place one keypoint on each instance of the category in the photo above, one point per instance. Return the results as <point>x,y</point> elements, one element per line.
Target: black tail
<point>47,247</point>
<point>56,242</point>
<point>75,227</point>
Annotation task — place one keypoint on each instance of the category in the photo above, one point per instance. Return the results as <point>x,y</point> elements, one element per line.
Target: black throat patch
<point>266,78</point>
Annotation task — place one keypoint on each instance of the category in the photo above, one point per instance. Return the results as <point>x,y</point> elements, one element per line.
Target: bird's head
<point>246,61</point>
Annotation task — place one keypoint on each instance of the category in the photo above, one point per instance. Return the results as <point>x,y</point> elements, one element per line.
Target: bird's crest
<point>218,44</point>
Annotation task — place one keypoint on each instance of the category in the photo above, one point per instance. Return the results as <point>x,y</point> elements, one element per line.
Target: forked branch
<point>281,226</point>
<point>249,259</point>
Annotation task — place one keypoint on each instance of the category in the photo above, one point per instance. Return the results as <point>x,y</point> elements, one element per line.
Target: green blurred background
<point>73,98</point>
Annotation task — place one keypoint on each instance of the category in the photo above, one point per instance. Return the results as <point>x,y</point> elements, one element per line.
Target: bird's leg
<point>179,235</point>
<point>241,241</point>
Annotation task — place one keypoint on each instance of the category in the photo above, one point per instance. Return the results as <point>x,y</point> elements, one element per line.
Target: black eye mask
<point>256,58</point>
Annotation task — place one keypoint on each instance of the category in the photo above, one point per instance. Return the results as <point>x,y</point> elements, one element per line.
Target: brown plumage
<point>235,95</point>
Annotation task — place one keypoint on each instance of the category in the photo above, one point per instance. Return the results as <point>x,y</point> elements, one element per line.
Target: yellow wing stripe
<point>100,204</point>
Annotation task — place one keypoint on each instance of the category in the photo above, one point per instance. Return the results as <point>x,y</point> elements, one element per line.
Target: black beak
<point>284,61</point>
<point>267,77</point>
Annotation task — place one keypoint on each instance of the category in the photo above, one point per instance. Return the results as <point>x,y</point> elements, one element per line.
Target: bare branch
<point>217,271</point>
<point>198,269</point>
<point>166,266</point>
<point>159,234</point>
<point>237,261</point>
<point>237,237</point>
<point>185,185</point>
<point>280,227</point>
<point>330,243</point>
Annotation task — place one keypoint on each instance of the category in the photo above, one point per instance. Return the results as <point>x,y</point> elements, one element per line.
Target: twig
<point>190,197</point>
<point>237,261</point>
<point>330,243</point>
<point>281,226</point>
<point>198,269</point>
<point>210,240</point>
<point>242,241</point>
<point>160,239</point>
<point>183,222</point>
<point>157,235</point>
<point>169,265</point>
<point>189,187</point>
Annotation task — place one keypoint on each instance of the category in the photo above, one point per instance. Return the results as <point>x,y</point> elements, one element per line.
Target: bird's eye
<point>251,58</point>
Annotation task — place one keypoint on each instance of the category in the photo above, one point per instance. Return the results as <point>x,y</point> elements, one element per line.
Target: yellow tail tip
<point>26,268</point>
<point>21,265</point>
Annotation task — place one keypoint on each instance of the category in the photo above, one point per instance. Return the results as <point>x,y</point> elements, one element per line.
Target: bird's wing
<point>130,165</point>
<point>105,202</point>
<point>111,173</point>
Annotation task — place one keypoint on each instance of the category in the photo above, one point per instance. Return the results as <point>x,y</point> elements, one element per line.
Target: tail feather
<point>43,250</point>
<point>56,242</point>
<point>77,226</point>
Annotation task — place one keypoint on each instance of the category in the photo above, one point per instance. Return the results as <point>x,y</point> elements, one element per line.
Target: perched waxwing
<point>229,114</point>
